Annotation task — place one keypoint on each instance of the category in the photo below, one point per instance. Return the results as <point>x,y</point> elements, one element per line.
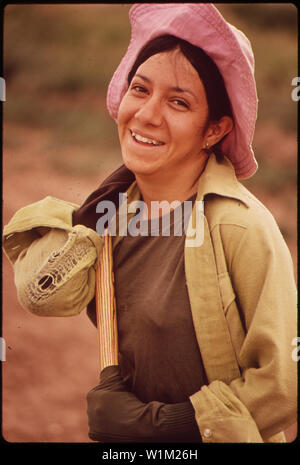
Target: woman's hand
<point>117,415</point>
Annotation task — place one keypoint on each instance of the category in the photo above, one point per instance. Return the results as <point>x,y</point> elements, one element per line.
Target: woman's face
<point>162,117</point>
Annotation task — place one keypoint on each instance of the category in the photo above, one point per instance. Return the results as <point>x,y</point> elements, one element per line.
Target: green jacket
<point>241,288</point>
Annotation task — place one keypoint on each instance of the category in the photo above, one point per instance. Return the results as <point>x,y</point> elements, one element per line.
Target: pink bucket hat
<point>202,25</point>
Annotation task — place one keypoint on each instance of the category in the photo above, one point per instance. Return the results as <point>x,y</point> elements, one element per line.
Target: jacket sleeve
<point>265,395</point>
<point>54,262</point>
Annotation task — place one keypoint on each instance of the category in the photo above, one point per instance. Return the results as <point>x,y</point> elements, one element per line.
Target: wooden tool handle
<point>106,307</point>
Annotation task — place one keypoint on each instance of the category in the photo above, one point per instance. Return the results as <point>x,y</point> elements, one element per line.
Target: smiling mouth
<point>145,140</point>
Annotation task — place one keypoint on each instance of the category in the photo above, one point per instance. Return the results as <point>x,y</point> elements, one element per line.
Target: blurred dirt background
<point>60,141</point>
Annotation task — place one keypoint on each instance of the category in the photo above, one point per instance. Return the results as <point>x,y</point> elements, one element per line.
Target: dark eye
<point>180,103</point>
<point>137,88</point>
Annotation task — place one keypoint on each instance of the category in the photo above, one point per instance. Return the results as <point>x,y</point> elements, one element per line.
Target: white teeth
<point>144,139</point>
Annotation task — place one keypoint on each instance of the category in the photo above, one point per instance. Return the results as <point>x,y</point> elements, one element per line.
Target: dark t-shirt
<point>157,342</point>
<point>159,354</point>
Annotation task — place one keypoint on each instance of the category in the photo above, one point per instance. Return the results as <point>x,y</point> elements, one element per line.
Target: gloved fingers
<point>111,379</point>
<point>110,372</point>
<point>122,415</point>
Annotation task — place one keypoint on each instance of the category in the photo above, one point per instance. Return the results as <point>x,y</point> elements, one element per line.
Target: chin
<point>139,167</point>
<point>139,170</point>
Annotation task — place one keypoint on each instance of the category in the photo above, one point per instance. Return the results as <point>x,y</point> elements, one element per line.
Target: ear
<point>217,130</point>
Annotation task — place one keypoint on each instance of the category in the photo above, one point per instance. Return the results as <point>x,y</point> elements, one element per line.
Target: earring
<point>207,149</point>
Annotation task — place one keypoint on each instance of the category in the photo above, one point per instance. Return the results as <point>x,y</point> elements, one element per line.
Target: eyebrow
<point>174,89</point>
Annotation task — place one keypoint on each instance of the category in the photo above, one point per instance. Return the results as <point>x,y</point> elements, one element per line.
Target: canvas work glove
<point>117,415</point>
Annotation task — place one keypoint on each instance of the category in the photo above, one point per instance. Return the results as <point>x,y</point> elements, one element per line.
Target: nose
<point>150,111</point>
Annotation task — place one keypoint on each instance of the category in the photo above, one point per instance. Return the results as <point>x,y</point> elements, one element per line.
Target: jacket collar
<point>219,178</point>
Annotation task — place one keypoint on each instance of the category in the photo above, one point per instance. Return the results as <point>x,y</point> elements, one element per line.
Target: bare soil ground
<point>51,363</point>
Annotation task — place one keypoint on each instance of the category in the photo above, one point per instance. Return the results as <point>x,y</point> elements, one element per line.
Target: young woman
<point>205,323</point>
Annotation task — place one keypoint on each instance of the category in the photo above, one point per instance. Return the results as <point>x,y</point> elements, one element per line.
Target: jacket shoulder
<point>244,223</point>
<point>245,211</point>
